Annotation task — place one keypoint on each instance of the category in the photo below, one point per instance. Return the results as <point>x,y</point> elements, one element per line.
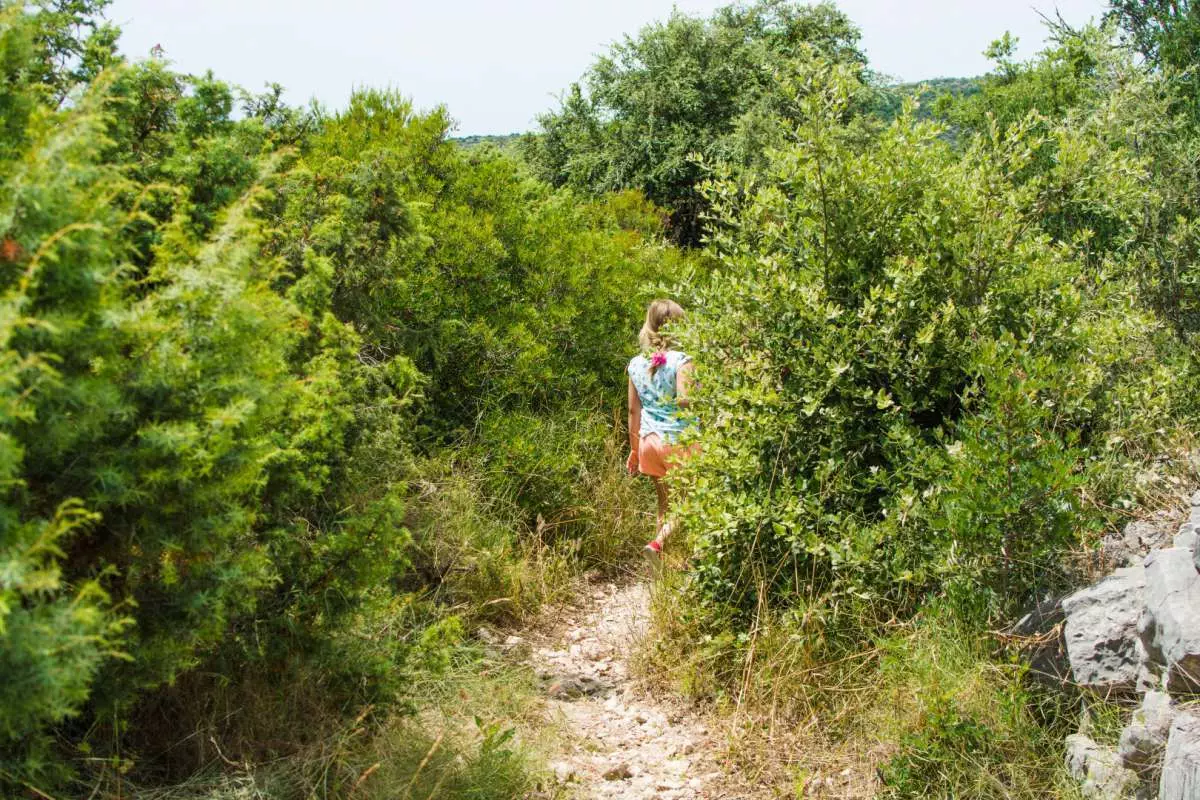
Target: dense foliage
<point>938,357</point>
<point>237,352</point>
<point>915,373</point>
<point>681,88</point>
<point>292,401</point>
<point>1086,79</point>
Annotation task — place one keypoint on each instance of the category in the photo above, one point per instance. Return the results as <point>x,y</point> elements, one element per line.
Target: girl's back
<point>656,389</point>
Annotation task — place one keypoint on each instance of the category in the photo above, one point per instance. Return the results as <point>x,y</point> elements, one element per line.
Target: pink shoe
<point>653,551</point>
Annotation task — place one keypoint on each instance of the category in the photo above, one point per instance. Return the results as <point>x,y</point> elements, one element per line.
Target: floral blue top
<point>660,411</point>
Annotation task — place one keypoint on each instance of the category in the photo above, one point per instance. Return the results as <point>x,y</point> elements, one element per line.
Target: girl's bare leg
<point>664,530</point>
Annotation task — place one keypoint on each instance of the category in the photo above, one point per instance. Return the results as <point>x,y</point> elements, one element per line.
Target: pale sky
<point>497,64</point>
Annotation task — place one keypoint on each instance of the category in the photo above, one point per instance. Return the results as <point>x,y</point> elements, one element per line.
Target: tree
<point>680,88</point>
<point>74,42</point>
<point>1165,32</point>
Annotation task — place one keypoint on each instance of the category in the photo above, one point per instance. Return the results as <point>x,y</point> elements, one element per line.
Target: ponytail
<point>652,338</point>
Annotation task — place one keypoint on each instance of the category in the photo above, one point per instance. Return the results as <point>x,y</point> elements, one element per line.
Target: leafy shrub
<point>905,381</point>
<point>153,415</point>
<point>228,371</point>
<point>1087,82</point>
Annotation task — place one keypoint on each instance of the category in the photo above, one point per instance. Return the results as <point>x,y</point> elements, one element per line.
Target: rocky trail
<point>621,741</point>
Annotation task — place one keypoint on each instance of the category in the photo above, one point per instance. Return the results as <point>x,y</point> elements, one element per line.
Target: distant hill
<point>887,106</point>
<point>892,97</point>
<point>505,142</point>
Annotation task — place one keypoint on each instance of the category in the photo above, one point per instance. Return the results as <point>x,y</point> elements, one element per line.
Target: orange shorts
<point>655,456</point>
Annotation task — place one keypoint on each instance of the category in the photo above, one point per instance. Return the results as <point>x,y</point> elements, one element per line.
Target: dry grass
<point>479,733</point>
<point>808,711</point>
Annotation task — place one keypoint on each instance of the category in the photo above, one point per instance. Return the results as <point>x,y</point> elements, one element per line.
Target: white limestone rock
<point>1181,768</point>
<point>1170,623</point>
<point>1099,769</point>
<point>1101,632</point>
<point>1145,738</point>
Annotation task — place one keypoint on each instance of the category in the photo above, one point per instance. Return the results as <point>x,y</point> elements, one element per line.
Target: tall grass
<point>492,546</point>
<point>478,735</point>
<point>928,707</point>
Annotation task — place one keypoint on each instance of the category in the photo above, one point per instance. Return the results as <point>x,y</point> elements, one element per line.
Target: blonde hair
<point>658,314</point>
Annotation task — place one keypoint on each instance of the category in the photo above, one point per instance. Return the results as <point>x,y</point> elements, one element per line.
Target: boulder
<point>1143,740</point>
<point>1101,632</point>
<point>1099,769</point>
<point>1186,538</point>
<point>1170,624</point>
<point>1181,768</point>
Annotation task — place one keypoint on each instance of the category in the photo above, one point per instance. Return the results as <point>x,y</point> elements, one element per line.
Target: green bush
<point>905,380</point>
<point>931,757</point>
<point>230,373</point>
<point>154,415</point>
<point>505,294</point>
<point>1089,83</point>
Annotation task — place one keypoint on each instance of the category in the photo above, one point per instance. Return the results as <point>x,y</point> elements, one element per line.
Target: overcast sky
<point>496,64</point>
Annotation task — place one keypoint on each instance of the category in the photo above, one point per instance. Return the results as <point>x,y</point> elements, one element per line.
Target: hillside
<point>928,94</point>
<point>506,143</point>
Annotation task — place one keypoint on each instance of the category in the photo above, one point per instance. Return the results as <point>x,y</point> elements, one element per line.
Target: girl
<point>659,379</point>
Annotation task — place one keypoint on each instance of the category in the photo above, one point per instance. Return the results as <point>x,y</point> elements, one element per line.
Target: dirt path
<point>621,742</point>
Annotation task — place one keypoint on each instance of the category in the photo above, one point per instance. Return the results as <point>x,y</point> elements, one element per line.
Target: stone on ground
<point>1136,539</point>
<point>1170,627</point>
<point>570,687</point>
<point>1099,768</point>
<point>619,772</point>
<point>1101,632</point>
<point>1186,538</point>
<point>1181,768</point>
<point>1143,740</point>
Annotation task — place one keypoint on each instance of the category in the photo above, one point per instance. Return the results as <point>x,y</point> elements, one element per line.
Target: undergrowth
<point>937,705</point>
<point>477,735</point>
<point>929,707</point>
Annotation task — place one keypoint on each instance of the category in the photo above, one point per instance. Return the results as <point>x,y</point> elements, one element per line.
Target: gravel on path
<point>621,741</point>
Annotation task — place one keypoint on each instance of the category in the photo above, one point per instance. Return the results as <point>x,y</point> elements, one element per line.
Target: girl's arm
<point>635,426</point>
<point>683,383</point>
